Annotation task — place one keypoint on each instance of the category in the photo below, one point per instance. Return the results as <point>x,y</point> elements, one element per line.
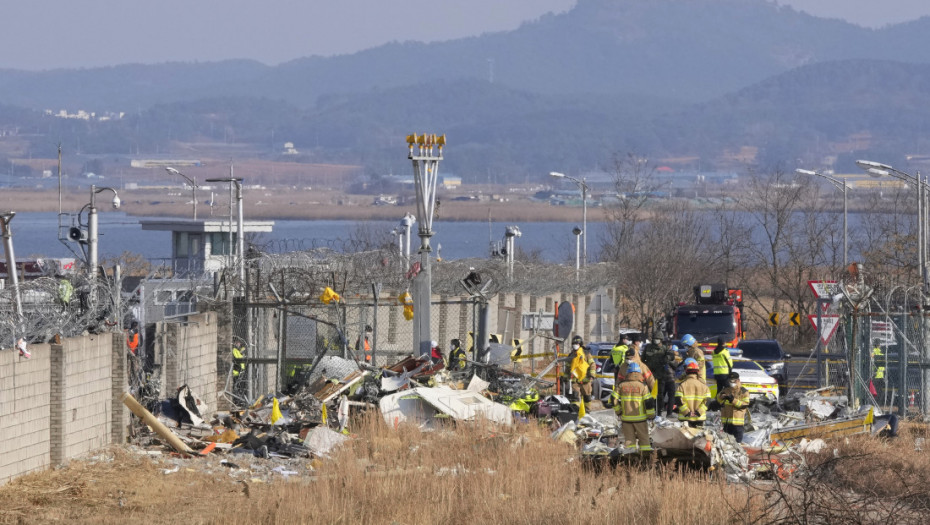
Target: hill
<point>689,50</point>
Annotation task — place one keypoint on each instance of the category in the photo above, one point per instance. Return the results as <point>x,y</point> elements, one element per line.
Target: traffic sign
<point>883,333</point>
<point>773,319</point>
<point>830,322</point>
<point>795,319</point>
<point>823,289</point>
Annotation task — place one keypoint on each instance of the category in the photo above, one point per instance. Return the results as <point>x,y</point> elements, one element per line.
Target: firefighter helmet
<point>633,367</point>
<point>688,340</point>
<point>691,364</point>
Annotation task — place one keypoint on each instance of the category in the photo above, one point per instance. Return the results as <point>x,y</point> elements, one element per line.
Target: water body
<point>35,234</point>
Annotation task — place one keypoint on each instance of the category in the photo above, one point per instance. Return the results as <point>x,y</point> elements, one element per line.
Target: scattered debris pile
<point>313,418</point>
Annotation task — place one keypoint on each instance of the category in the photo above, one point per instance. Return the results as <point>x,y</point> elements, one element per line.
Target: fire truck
<point>717,312</point>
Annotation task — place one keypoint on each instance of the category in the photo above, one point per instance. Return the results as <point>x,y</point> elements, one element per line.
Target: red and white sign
<point>830,322</point>
<point>883,333</point>
<point>823,289</point>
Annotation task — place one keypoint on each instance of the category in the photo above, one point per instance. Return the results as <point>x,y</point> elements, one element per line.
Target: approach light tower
<point>425,151</point>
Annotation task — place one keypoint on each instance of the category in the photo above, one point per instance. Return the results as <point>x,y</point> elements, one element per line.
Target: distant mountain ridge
<point>718,83</point>
<point>690,50</point>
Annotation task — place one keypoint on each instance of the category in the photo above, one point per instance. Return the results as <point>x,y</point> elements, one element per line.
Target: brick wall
<point>25,397</point>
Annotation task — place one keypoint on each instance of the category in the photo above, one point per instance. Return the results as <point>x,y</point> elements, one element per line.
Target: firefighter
<point>694,351</point>
<point>238,361</point>
<point>632,357</point>
<point>458,359</point>
<point>581,373</point>
<point>878,379</point>
<point>735,401</point>
<point>723,365</point>
<point>618,354</point>
<point>363,343</point>
<point>634,407</point>
<point>693,396</point>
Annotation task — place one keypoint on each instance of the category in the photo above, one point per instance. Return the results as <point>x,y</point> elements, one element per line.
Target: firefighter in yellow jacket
<point>634,406</point>
<point>694,351</point>
<point>582,373</point>
<point>735,401</point>
<point>631,358</point>
<point>693,396</point>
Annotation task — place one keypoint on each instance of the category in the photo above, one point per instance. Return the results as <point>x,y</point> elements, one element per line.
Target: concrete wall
<point>25,400</point>
<point>83,387</point>
<point>64,402</point>
<point>186,349</point>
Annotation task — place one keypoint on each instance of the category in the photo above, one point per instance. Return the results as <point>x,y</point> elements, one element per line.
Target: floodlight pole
<point>877,169</point>
<point>583,186</point>
<point>192,184</point>
<point>425,152</point>
<point>840,185</point>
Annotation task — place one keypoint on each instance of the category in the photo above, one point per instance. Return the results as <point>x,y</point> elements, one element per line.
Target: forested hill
<point>689,50</point>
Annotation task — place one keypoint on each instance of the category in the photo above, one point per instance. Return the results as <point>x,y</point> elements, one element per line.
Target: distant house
<point>289,149</point>
<point>450,182</point>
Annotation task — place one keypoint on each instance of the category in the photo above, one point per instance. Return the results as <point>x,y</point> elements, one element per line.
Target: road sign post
<point>826,327</point>
<point>824,291</point>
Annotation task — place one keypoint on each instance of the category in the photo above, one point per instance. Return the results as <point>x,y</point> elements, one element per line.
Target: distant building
<point>289,149</point>
<point>162,163</point>
<point>203,245</point>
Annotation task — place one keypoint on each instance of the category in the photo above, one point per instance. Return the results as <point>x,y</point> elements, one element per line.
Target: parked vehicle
<point>717,312</point>
<point>752,376</point>
<point>769,354</point>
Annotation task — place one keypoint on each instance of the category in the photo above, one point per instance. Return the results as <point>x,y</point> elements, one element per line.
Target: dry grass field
<point>291,204</point>
<point>472,474</point>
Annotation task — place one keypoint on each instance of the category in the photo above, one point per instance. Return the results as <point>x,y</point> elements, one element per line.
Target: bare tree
<point>635,185</point>
<point>770,205</point>
<point>661,265</point>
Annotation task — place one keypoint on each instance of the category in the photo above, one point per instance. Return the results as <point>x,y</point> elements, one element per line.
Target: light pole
<point>877,169</point>
<point>425,151</point>
<point>840,185</point>
<point>406,223</point>
<point>92,228</point>
<point>5,219</point>
<point>583,186</point>
<point>577,231</point>
<point>190,181</point>
<point>240,245</point>
<point>509,234</point>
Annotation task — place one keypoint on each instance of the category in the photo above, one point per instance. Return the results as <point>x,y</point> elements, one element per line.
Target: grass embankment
<point>471,474</point>
<point>475,474</point>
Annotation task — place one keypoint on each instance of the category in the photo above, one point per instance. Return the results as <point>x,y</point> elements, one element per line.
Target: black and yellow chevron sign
<point>773,319</point>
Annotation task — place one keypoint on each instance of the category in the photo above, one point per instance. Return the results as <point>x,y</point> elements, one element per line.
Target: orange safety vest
<point>367,347</point>
<point>133,341</point>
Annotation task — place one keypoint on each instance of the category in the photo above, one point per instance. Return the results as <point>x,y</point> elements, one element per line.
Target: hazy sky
<point>43,34</point>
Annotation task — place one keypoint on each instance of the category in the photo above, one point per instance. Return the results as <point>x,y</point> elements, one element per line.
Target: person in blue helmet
<point>694,351</point>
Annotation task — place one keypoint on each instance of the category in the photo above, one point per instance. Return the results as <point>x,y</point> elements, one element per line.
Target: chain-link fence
<point>281,342</point>
<point>878,355</point>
